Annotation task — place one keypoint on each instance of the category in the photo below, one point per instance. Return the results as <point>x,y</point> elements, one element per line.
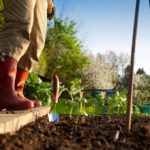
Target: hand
<point>50,10</point>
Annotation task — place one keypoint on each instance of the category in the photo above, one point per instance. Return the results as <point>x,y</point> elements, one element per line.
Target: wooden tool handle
<point>55,89</point>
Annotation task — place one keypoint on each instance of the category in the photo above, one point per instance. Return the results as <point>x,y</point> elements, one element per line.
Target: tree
<point>139,78</point>
<point>118,63</point>
<point>63,53</point>
<point>105,70</point>
<point>99,74</point>
<point>124,80</point>
<point>141,71</point>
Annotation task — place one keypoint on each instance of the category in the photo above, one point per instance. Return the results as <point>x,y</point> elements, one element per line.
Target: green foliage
<point>1,5</point>
<point>37,90</point>
<point>76,89</point>
<point>142,92</point>
<point>1,14</point>
<point>140,71</point>
<point>63,53</point>
<point>96,106</point>
<point>117,104</point>
<point>61,89</point>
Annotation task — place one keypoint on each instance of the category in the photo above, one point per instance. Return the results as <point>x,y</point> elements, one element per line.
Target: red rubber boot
<point>8,98</point>
<point>19,85</point>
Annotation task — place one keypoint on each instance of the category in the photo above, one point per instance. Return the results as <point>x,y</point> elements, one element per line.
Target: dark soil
<point>91,133</point>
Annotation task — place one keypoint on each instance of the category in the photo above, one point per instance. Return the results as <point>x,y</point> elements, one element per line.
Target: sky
<point>105,25</point>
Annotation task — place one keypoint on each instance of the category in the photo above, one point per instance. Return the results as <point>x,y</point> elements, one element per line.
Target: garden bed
<point>91,133</point>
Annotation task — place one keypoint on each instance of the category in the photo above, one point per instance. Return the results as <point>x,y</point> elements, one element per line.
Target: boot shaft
<point>7,74</point>
<point>21,78</point>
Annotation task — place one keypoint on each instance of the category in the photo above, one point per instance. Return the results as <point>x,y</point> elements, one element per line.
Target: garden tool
<point>145,108</point>
<point>53,117</point>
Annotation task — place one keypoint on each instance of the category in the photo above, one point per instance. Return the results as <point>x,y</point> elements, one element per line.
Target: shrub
<point>37,90</point>
<point>117,104</point>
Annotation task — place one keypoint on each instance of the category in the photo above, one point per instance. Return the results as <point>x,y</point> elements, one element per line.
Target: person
<point>21,42</point>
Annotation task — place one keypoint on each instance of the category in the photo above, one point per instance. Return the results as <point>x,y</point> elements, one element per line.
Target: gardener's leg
<point>14,41</point>
<point>37,38</point>
<point>15,37</point>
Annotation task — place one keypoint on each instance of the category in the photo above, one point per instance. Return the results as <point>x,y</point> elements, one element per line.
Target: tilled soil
<point>91,133</point>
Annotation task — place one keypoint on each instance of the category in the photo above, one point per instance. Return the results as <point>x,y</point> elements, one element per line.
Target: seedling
<point>76,89</point>
<point>82,111</point>
<point>72,91</point>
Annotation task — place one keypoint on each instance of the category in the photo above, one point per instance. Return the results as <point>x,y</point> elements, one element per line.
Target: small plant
<point>76,89</point>
<point>36,89</point>
<point>96,105</point>
<point>72,91</point>
<point>82,101</point>
<point>117,104</point>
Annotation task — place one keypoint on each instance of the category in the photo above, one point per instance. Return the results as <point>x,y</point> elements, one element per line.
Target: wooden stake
<point>130,90</point>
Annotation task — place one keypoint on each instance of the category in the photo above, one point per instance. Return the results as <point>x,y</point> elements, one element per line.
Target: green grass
<point>63,108</point>
<point>90,108</point>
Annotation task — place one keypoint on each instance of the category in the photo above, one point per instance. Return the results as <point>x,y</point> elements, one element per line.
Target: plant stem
<point>80,107</point>
<point>71,112</point>
<point>79,113</point>
<point>71,97</point>
<point>77,119</point>
<point>71,107</point>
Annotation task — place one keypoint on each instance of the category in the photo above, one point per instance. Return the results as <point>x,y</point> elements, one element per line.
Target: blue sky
<point>106,25</point>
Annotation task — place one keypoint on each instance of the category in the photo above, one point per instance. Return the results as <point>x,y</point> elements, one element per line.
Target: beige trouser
<point>23,35</point>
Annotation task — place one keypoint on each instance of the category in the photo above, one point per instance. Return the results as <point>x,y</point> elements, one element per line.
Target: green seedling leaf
<point>76,98</point>
<point>84,86</point>
<point>47,85</point>
<point>75,92</point>
<point>72,103</point>
<point>62,89</point>
<point>72,82</point>
<point>82,100</point>
<point>33,78</point>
